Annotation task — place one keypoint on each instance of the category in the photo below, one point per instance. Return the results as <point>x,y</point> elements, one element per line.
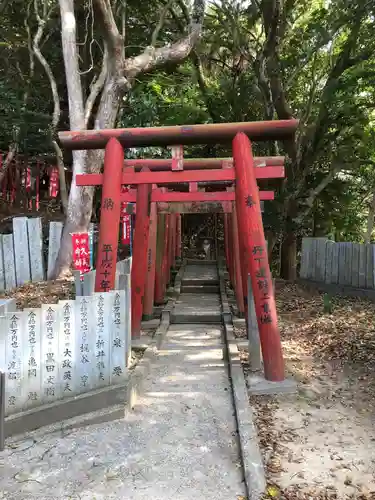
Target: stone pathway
<point>179,443</point>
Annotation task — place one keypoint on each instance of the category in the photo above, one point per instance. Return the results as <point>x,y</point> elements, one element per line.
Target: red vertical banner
<point>81,252</point>
<point>253,243</point>
<point>54,182</point>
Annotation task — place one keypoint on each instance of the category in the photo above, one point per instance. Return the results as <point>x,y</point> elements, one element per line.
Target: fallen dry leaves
<point>44,292</point>
<point>321,349</point>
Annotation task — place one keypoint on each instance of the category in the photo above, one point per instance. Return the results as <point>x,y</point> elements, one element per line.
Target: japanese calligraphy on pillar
<point>102,305</point>
<point>81,252</point>
<point>118,337</point>
<point>32,350</point>
<point>15,397</point>
<point>85,353</point>
<point>106,267</point>
<point>49,352</point>
<point>67,349</point>
<point>263,282</point>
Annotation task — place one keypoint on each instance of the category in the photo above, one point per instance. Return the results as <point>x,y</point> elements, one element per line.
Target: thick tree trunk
<point>79,206</point>
<point>288,257</point>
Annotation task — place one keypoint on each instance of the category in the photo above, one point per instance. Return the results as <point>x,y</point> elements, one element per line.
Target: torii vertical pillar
<point>109,217</point>
<point>254,244</point>
<point>237,263</point>
<point>160,244</point>
<point>139,264</point>
<point>148,306</point>
<point>179,239</point>
<point>166,267</point>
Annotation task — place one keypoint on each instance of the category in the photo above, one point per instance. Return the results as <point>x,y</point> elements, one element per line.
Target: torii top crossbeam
<point>178,135</point>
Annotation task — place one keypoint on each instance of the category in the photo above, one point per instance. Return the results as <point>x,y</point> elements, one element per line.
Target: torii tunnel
<point>157,236</point>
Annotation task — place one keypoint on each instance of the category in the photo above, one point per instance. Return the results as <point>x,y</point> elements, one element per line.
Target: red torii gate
<point>247,200</point>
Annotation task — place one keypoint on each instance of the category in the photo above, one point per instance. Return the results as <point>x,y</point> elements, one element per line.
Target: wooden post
<point>166,265</point>
<point>160,243</point>
<point>148,308</point>
<point>179,238</point>
<point>237,264</point>
<point>174,239</point>
<point>109,217</point>
<point>226,242</point>
<point>139,264</point>
<point>251,229</point>
<point>230,249</point>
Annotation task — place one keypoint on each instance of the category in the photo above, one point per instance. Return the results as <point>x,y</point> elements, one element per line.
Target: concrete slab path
<point>179,443</point>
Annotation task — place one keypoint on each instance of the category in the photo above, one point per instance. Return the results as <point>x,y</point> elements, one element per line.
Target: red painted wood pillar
<point>254,244</point>
<point>170,245</point>
<point>237,264</point>
<point>159,279</point>
<point>230,249</point>
<point>139,264</point>
<point>148,306</point>
<point>166,265</point>
<point>226,242</point>
<point>179,238</point>
<point>174,239</point>
<point>109,217</point>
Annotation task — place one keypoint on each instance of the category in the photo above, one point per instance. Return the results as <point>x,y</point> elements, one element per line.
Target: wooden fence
<point>350,264</point>
<point>61,350</point>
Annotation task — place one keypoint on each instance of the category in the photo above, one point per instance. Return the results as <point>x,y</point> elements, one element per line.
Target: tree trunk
<point>288,257</point>
<point>79,206</point>
<point>370,220</point>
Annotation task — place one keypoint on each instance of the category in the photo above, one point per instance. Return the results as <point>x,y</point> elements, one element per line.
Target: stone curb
<point>249,447</point>
<point>124,396</point>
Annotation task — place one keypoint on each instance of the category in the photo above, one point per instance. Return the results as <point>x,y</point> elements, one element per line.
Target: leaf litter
<point>319,443</point>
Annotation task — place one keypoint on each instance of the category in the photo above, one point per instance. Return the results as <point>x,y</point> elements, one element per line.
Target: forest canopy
<point>109,63</point>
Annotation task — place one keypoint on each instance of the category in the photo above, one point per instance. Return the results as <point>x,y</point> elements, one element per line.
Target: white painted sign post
<point>55,231</point>
<point>34,227</point>
<point>21,250</point>
<point>9,264</point>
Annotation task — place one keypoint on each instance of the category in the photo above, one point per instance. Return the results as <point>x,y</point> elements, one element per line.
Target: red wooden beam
<point>177,177</point>
<point>198,196</point>
<point>159,165</point>
<point>184,134</point>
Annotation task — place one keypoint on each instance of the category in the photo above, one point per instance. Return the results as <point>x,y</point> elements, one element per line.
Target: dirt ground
<point>319,443</point>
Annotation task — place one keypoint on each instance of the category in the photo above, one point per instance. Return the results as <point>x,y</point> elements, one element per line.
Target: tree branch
<point>47,68</point>
<point>309,202</point>
<point>109,27</point>
<point>153,58</point>
<point>160,24</point>
<point>96,88</point>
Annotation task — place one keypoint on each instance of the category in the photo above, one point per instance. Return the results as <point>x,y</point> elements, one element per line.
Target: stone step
<point>200,289</point>
<point>196,319</point>
<point>200,282</point>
